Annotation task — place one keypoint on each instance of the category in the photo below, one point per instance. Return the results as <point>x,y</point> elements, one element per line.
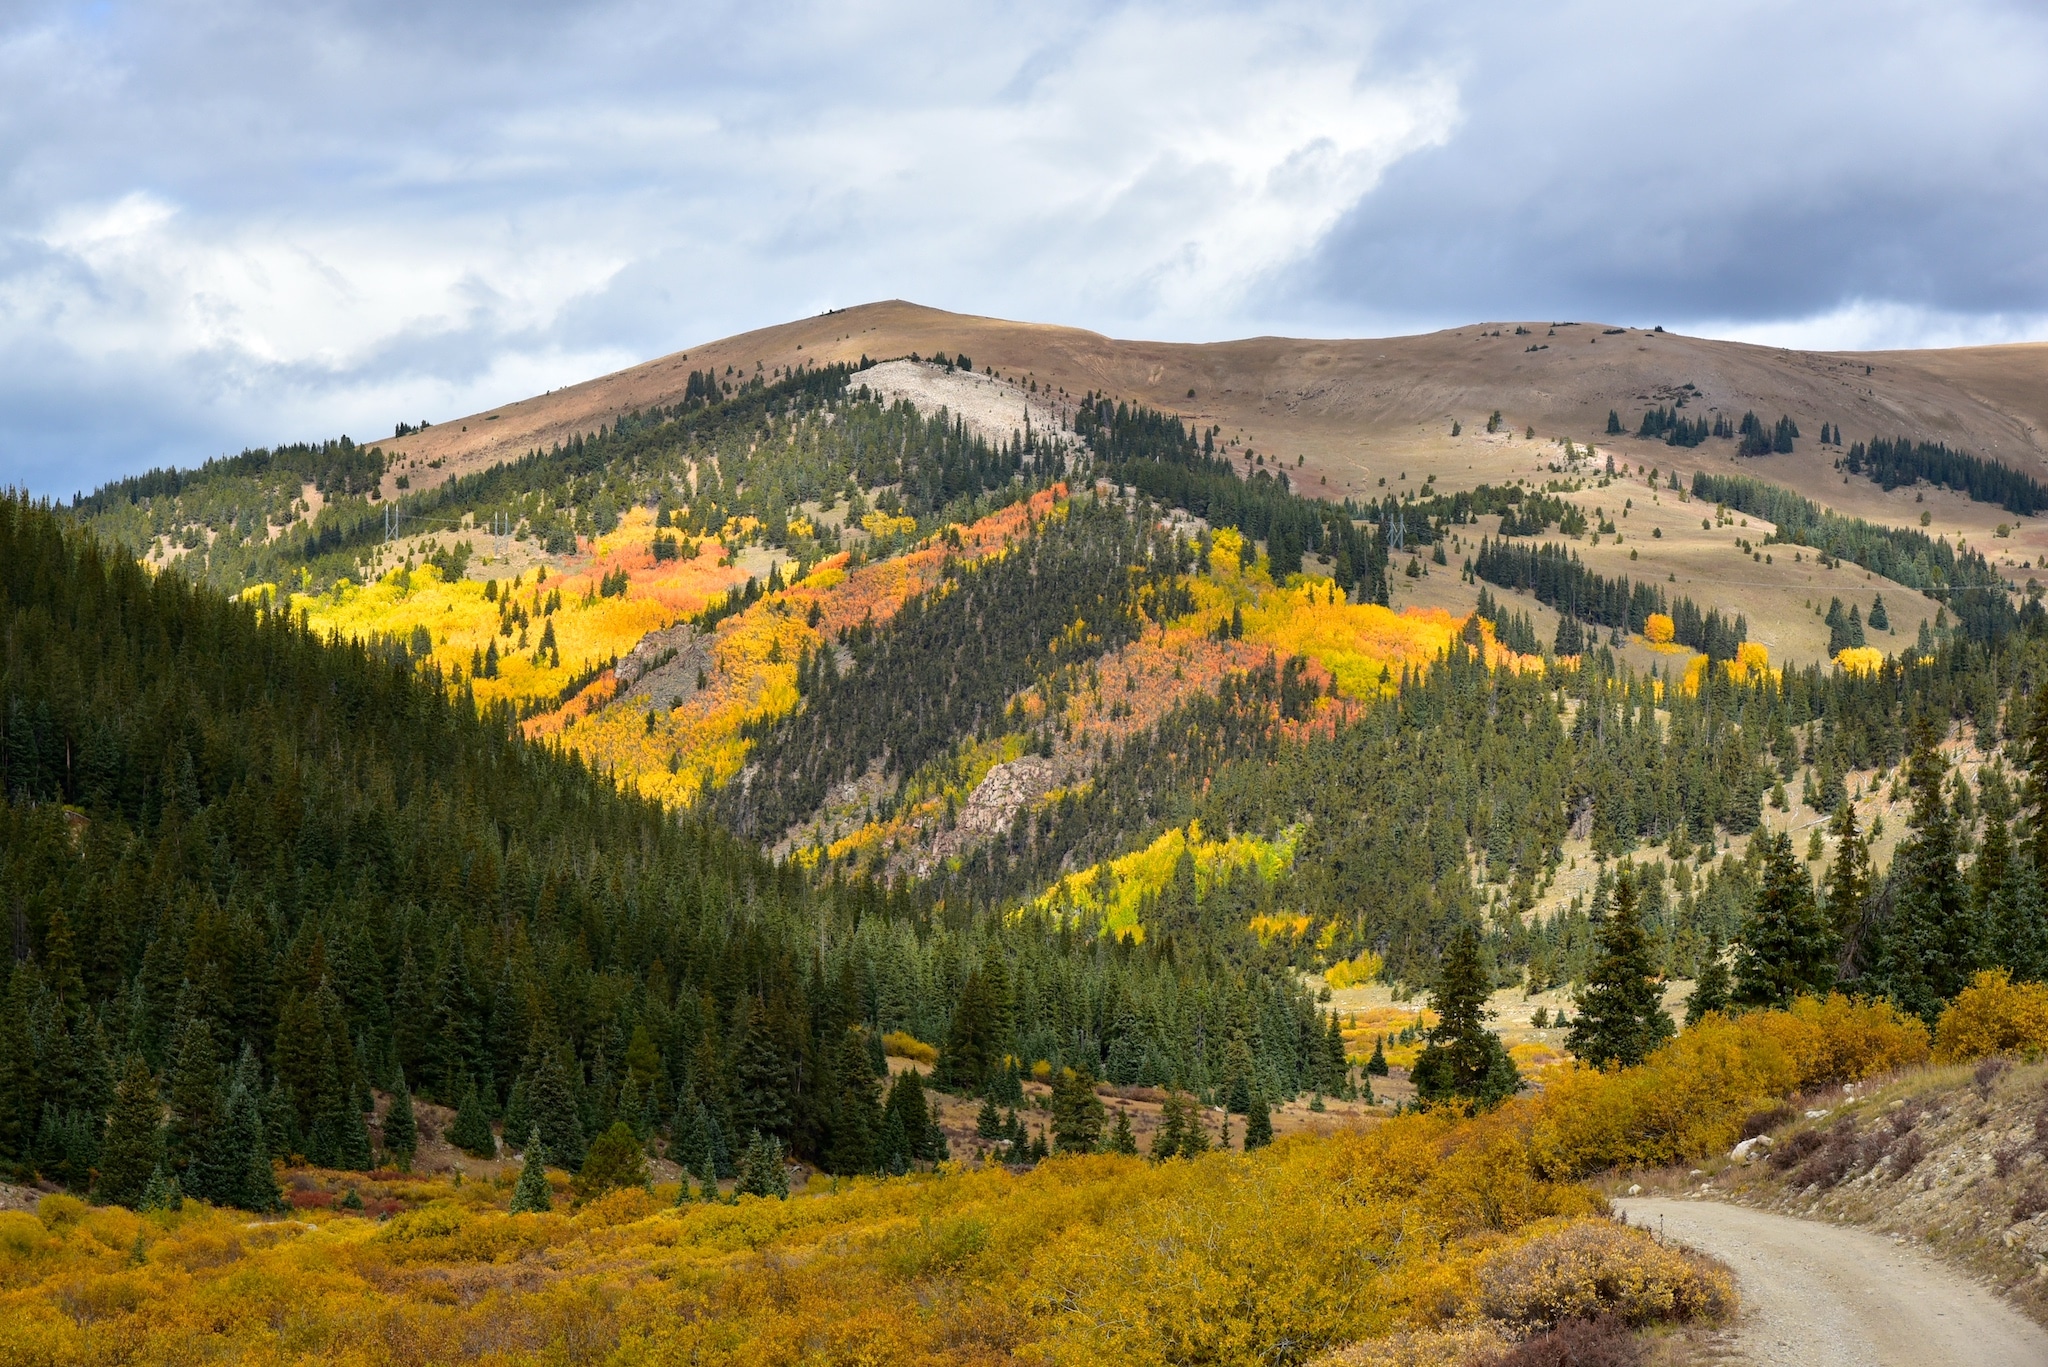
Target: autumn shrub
<point>1690,1097</point>
<point>903,1044</point>
<point>1575,1343</point>
<point>1583,1269</point>
<point>1993,1015</point>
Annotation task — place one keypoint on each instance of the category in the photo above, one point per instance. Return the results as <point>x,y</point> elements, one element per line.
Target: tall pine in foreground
<point>1463,1060</point>
<point>1620,1015</point>
<point>1930,943</point>
<point>1788,947</point>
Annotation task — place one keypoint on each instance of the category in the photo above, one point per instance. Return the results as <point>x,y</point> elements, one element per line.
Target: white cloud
<point>226,221</point>
<point>1878,325</point>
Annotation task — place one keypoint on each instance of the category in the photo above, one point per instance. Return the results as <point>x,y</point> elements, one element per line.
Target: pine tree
<point>905,1114</point>
<point>1848,890</point>
<point>615,1160</point>
<point>1711,987</point>
<point>471,1131</point>
<point>552,1101</point>
<point>1376,1066</point>
<point>133,1146</point>
<point>690,1141</point>
<point>1461,1061</point>
<point>533,1195</point>
<point>401,1127</point>
<point>1879,619</point>
<point>195,1091</point>
<point>1121,1140</point>
<point>857,1112</point>
<point>1077,1112</point>
<point>762,1169</point>
<point>1620,1013</point>
<point>1258,1124</point>
<point>1788,947</point>
<point>1171,1135</point>
<point>1930,942</point>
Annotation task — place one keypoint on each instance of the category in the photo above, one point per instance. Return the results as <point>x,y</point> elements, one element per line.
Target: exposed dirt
<point>996,410</point>
<point>1819,1295</point>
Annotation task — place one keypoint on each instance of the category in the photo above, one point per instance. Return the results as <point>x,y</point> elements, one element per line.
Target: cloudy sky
<point>237,223</point>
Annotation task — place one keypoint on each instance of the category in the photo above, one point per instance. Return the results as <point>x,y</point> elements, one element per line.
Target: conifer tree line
<point>1560,580</point>
<point>1163,459</point>
<point>1896,462</point>
<point>1973,592</point>
<point>1669,425</point>
<point>254,876</point>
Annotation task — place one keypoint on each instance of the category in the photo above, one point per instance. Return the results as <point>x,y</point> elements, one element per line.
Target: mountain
<point>681,753</point>
<point>1351,406</point>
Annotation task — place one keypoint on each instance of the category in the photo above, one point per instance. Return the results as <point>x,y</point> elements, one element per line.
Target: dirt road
<point>1819,1295</point>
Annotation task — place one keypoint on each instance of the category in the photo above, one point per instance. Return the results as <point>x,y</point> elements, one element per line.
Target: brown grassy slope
<point>1353,406</point>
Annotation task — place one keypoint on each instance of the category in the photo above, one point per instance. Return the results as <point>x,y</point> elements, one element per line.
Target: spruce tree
<point>690,1141</point>
<point>533,1195</point>
<point>1930,942</point>
<point>238,1156</point>
<point>1711,985</point>
<point>471,1131</point>
<point>133,1146</point>
<point>615,1160</point>
<point>856,1113</point>
<point>1376,1066</point>
<point>762,1075</point>
<point>1258,1124</point>
<point>1462,1060</point>
<point>1194,1135</point>
<point>552,1102</point>
<point>1173,1124</point>
<point>401,1127</point>
<point>1620,1013</point>
<point>195,1091</point>
<point>161,1192</point>
<point>1847,893</point>
<point>762,1169</point>
<point>1788,947</point>
<point>968,1054</point>
<point>906,1114</point>
<point>1121,1140</point>
<point>1077,1112</point>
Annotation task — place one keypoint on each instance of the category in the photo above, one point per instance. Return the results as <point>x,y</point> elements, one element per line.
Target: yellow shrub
<point>1355,972</point>
<point>1993,1015</point>
<point>903,1044</point>
<point>1580,1269</point>
<point>1859,660</point>
<point>1659,629</point>
<point>1689,1098</point>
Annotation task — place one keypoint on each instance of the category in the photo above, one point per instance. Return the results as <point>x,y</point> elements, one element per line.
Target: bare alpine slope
<point>1348,409</point>
<point>1818,1295</point>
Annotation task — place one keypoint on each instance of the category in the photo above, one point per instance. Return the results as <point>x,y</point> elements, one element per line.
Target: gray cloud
<point>233,223</point>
